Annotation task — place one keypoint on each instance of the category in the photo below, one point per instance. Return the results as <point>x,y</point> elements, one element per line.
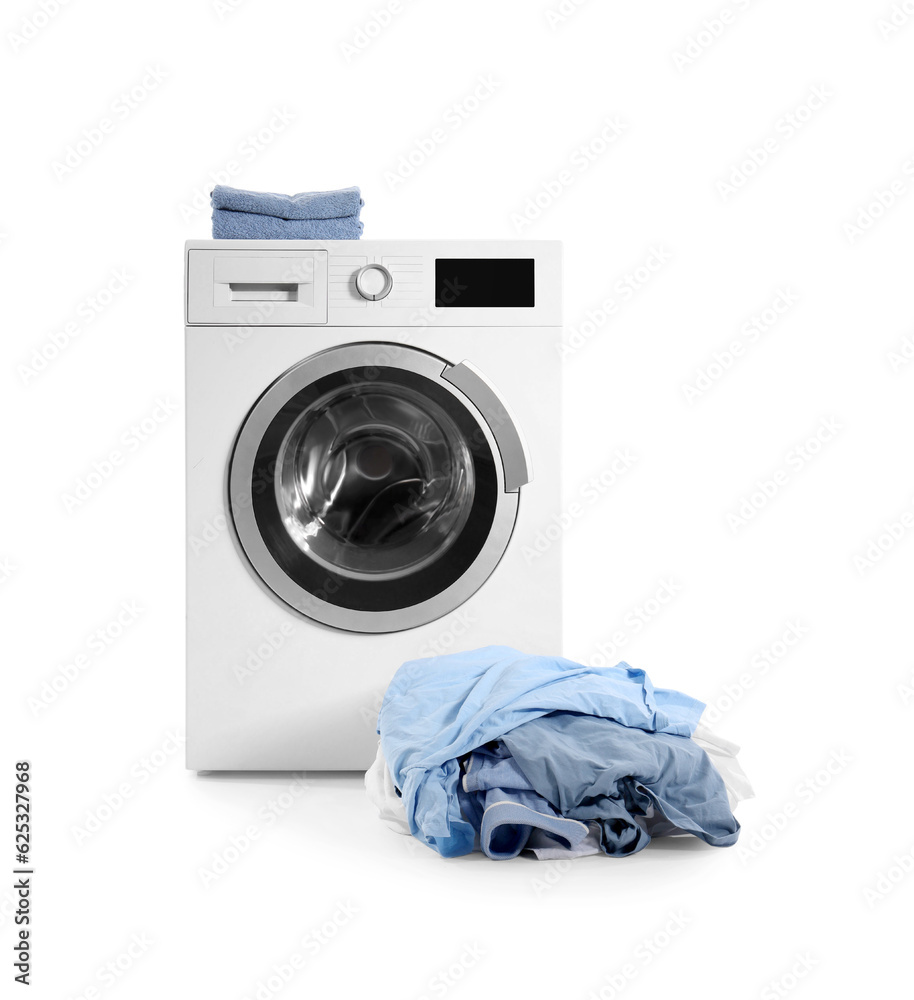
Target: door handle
<point>502,423</point>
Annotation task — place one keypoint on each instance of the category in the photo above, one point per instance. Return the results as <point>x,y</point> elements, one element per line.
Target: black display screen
<point>487,283</point>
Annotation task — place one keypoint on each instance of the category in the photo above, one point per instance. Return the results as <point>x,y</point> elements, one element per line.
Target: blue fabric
<point>492,766</point>
<point>500,802</point>
<point>250,226</point>
<point>440,708</point>
<point>264,215</point>
<point>595,769</point>
<point>306,205</point>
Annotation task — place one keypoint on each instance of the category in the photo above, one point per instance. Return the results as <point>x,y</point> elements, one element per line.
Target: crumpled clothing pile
<point>495,751</point>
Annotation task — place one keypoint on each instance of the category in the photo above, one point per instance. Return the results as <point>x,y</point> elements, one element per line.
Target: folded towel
<point>306,205</point>
<point>229,225</point>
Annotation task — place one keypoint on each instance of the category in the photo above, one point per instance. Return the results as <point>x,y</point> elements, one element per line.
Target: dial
<point>373,282</point>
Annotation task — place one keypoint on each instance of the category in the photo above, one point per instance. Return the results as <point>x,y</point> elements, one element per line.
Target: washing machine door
<point>374,487</point>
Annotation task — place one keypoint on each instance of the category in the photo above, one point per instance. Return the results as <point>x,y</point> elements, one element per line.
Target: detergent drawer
<point>257,287</point>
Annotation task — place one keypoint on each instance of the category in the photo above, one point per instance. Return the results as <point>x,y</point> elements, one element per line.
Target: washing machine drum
<point>374,487</point>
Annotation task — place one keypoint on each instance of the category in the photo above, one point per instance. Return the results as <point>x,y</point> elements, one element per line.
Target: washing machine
<point>373,461</point>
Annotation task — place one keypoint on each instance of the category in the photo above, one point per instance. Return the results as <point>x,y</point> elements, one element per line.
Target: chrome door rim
<point>241,501</point>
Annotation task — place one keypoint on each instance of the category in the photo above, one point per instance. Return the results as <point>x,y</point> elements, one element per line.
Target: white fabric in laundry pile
<point>546,848</point>
<point>382,792</point>
<point>723,756</point>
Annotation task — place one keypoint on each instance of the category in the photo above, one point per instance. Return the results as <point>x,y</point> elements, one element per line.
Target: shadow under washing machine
<point>364,419</point>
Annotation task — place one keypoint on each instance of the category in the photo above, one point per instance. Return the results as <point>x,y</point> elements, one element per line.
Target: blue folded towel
<point>264,215</point>
<point>250,226</point>
<point>306,205</point>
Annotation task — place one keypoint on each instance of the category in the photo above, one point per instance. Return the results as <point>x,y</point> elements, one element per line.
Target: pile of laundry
<point>311,215</point>
<point>495,751</point>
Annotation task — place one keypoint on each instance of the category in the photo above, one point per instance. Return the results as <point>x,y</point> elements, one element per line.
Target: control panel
<point>373,283</point>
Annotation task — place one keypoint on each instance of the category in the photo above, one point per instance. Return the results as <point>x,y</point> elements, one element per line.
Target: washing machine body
<point>373,461</point>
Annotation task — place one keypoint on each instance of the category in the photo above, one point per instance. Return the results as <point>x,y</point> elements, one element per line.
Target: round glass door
<point>370,496</point>
<point>374,480</point>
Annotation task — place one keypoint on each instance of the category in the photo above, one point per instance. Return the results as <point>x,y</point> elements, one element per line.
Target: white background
<point>801,890</point>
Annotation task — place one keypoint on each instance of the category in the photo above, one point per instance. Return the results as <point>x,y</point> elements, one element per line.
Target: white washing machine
<point>372,450</point>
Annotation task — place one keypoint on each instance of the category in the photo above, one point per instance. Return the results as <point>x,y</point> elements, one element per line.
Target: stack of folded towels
<point>499,752</point>
<point>262,215</point>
